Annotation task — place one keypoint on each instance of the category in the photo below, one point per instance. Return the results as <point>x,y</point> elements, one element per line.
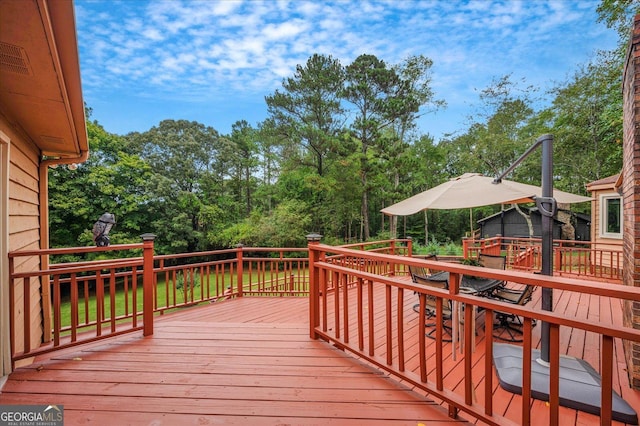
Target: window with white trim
<point>611,216</point>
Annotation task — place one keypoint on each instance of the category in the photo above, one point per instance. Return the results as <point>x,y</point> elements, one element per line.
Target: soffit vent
<point>52,140</point>
<point>14,59</point>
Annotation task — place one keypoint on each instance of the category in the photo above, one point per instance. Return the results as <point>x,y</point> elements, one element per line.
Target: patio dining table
<point>481,286</point>
<point>470,285</point>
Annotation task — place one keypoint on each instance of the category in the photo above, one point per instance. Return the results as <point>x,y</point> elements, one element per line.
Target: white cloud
<point>152,34</point>
<point>285,30</point>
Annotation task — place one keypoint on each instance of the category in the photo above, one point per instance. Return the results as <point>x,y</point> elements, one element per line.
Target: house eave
<point>40,85</point>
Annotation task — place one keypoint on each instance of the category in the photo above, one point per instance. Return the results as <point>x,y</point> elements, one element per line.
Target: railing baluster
<point>526,370</point>
<point>112,299</point>
<point>323,284</point>
<point>439,332</point>
<point>134,296</point>
<point>554,375</point>
<point>125,288</point>
<point>74,307</point>
<point>360,313</point>
<point>87,301</point>
<point>336,303</point>
<point>26,308</point>
<point>469,330</point>
<point>56,310</point>
<point>345,306</point>
<point>388,322</point>
<point>99,303</point>
<point>488,362</point>
<point>400,326</point>
<point>371,317</point>
<point>422,350</point>
<point>606,374</point>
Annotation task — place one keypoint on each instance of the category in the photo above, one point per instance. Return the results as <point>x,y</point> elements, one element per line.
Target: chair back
<point>431,300</point>
<point>526,295</point>
<point>492,261</point>
<point>420,272</point>
<point>426,281</point>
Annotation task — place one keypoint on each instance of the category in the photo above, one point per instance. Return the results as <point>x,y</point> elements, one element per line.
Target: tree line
<point>340,143</point>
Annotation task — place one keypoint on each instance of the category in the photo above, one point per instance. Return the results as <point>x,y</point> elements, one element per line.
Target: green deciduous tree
<point>187,170</point>
<point>587,123</point>
<point>110,181</point>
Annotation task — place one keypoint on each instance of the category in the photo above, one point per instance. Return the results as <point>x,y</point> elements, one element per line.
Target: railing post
<point>410,246</point>
<point>465,247</point>
<point>314,276</point>
<point>239,267</point>
<point>147,283</point>
<point>557,265</point>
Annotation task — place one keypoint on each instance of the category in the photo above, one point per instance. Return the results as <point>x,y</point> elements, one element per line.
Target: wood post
<point>147,283</point>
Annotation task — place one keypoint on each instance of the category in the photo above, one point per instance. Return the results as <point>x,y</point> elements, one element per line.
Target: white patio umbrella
<point>475,190</point>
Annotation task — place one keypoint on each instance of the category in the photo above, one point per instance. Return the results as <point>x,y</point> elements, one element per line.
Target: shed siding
<point>24,227</point>
<point>516,226</point>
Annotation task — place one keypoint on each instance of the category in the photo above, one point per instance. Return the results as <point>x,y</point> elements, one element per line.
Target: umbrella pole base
<point>579,383</point>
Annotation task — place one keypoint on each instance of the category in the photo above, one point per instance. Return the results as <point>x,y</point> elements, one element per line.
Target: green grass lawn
<point>125,299</point>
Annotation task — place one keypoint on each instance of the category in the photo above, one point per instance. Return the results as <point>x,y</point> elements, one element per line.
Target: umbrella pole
<point>547,207</point>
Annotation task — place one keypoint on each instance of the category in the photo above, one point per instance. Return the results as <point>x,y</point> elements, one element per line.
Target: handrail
<point>334,283</point>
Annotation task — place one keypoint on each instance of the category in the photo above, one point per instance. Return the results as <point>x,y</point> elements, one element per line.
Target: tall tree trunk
<point>365,195</point>
<point>393,226</point>
<point>393,220</point>
<point>247,173</point>
<point>365,213</point>
<point>426,227</point>
<point>526,217</point>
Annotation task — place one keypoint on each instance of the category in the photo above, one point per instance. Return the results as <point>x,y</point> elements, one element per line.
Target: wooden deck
<point>242,361</point>
<point>250,361</point>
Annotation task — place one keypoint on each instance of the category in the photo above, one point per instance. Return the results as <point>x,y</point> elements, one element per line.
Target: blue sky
<point>214,61</point>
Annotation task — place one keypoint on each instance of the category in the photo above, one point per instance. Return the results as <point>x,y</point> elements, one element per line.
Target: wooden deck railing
<point>90,288</point>
<point>360,275</point>
<point>96,299</point>
<point>571,258</point>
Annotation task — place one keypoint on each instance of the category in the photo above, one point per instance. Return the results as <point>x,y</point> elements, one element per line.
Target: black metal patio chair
<point>493,261</point>
<point>507,323</point>
<point>431,306</point>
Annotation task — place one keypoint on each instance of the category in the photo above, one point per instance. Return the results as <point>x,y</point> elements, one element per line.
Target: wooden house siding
<point>41,114</point>
<point>24,224</point>
<point>602,242</point>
